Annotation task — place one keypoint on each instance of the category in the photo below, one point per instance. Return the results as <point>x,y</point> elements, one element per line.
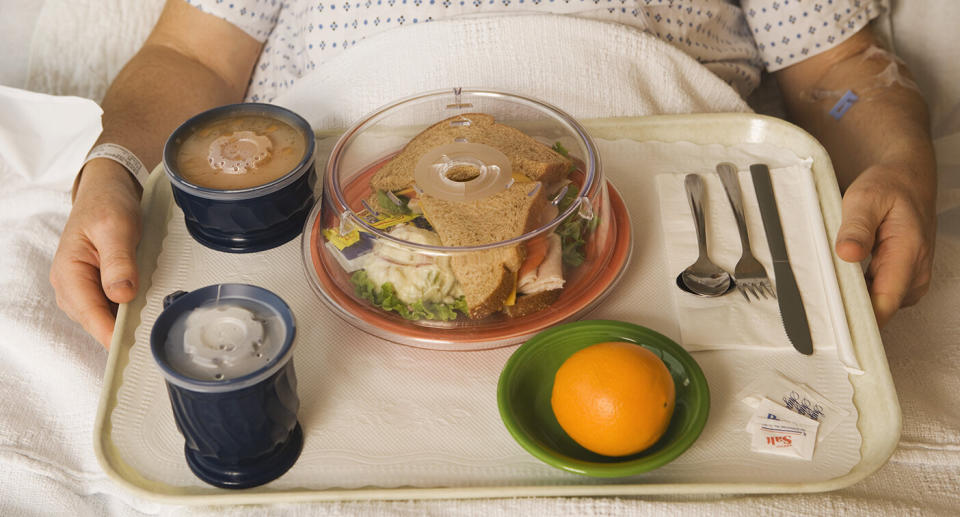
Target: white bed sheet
<point>43,471</point>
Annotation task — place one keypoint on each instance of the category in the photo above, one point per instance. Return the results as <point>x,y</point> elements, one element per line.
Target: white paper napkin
<point>730,321</point>
<point>44,138</point>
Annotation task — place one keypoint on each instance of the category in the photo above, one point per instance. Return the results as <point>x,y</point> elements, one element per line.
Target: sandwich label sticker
<point>341,241</point>
<point>345,240</point>
<point>393,220</point>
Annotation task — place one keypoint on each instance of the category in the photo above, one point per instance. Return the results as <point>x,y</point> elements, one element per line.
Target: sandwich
<point>515,280</point>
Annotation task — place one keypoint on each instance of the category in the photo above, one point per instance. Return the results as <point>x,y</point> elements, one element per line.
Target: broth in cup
<point>244,176</point>
<point>240,152</point>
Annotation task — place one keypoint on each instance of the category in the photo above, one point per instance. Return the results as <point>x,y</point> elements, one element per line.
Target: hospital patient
<point>214,52</point>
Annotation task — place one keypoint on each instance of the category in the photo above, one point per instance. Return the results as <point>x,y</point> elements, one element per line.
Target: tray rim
<point>879,415</point>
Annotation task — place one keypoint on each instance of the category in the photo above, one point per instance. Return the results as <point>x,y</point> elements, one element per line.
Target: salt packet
<point>776,430</point>
<point>798,398</point>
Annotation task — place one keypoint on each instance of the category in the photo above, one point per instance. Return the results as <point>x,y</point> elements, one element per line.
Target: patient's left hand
<point>889,211</point>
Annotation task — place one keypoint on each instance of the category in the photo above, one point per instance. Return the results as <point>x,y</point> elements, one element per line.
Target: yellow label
<point>341,241</point>
<point>393,220</point>
<point>512,299</point>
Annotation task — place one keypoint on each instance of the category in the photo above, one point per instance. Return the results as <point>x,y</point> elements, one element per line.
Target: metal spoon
<point>684,288</point>
<point>703,277</point>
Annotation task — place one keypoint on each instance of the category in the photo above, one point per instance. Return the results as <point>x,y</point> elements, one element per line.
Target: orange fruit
<point>613,398</point>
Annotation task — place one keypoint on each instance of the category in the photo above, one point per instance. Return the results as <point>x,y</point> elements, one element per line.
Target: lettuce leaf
<point>571,231</point>
<point>388,206</point>
<point>388,300</point>
<point>562,151</point>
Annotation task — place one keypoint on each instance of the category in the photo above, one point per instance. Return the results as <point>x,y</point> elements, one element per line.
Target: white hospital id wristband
<point>124,157</point>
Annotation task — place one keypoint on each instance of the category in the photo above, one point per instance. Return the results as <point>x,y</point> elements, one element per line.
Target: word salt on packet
<point>777,430</point>
<point>798,398</point>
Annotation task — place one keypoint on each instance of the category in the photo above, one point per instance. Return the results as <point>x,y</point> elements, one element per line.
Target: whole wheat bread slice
<point>527,156</point>
<point>531,303</point>
<point>488,277</point>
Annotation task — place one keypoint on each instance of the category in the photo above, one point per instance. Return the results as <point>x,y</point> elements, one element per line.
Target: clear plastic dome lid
<point>464,219</point>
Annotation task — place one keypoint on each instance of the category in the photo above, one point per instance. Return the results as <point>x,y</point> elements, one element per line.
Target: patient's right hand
<point>95,264</point>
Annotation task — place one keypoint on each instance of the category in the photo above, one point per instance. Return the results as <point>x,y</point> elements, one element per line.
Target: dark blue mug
<point>249,219</point>
<point>233,391</point>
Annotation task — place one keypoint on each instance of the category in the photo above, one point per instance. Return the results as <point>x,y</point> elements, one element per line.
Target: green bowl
<point>523,396</point>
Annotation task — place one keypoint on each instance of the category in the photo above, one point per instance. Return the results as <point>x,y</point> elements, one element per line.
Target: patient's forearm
<point>153,94</point>
<point>883,156</point>
<point>888,124</point>
<point>191,61</point>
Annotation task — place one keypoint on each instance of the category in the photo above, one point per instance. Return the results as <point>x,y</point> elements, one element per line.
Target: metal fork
<point>749,274</point>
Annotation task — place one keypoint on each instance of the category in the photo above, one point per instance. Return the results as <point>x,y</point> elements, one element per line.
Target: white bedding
<point>50,370</point>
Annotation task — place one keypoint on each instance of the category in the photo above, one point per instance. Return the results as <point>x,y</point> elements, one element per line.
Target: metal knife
<point>788,295</point>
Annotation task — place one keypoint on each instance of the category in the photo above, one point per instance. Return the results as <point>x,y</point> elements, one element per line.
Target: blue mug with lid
<point>225,352</point>
<point>248,218</point>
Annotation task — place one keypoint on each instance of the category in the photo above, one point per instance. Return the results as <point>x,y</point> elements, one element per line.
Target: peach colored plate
<point>607,254</point>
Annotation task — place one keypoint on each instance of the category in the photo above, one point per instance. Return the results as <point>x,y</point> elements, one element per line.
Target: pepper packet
<point>797,398</point>
<point>777,430</point>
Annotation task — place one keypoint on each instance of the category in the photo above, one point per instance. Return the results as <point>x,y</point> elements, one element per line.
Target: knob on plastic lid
<point>237,152</point>
<point>463,171</point>
<point>221,336</point>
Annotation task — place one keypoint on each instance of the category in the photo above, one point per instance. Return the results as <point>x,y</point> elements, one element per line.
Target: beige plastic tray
<point>874,396</point>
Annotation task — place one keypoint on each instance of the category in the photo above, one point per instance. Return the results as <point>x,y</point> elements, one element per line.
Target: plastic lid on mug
<point>222,337</point>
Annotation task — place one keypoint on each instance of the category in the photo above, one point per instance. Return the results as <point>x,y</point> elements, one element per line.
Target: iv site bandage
<point>843,104</point>
<point>889,76</point>
<point>124,157</point>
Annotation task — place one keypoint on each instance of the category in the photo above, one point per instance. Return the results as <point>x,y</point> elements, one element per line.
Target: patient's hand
<point>95,264</point>
<point>888,212</point>
<point>882,153</point>
<point>191,62</point>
